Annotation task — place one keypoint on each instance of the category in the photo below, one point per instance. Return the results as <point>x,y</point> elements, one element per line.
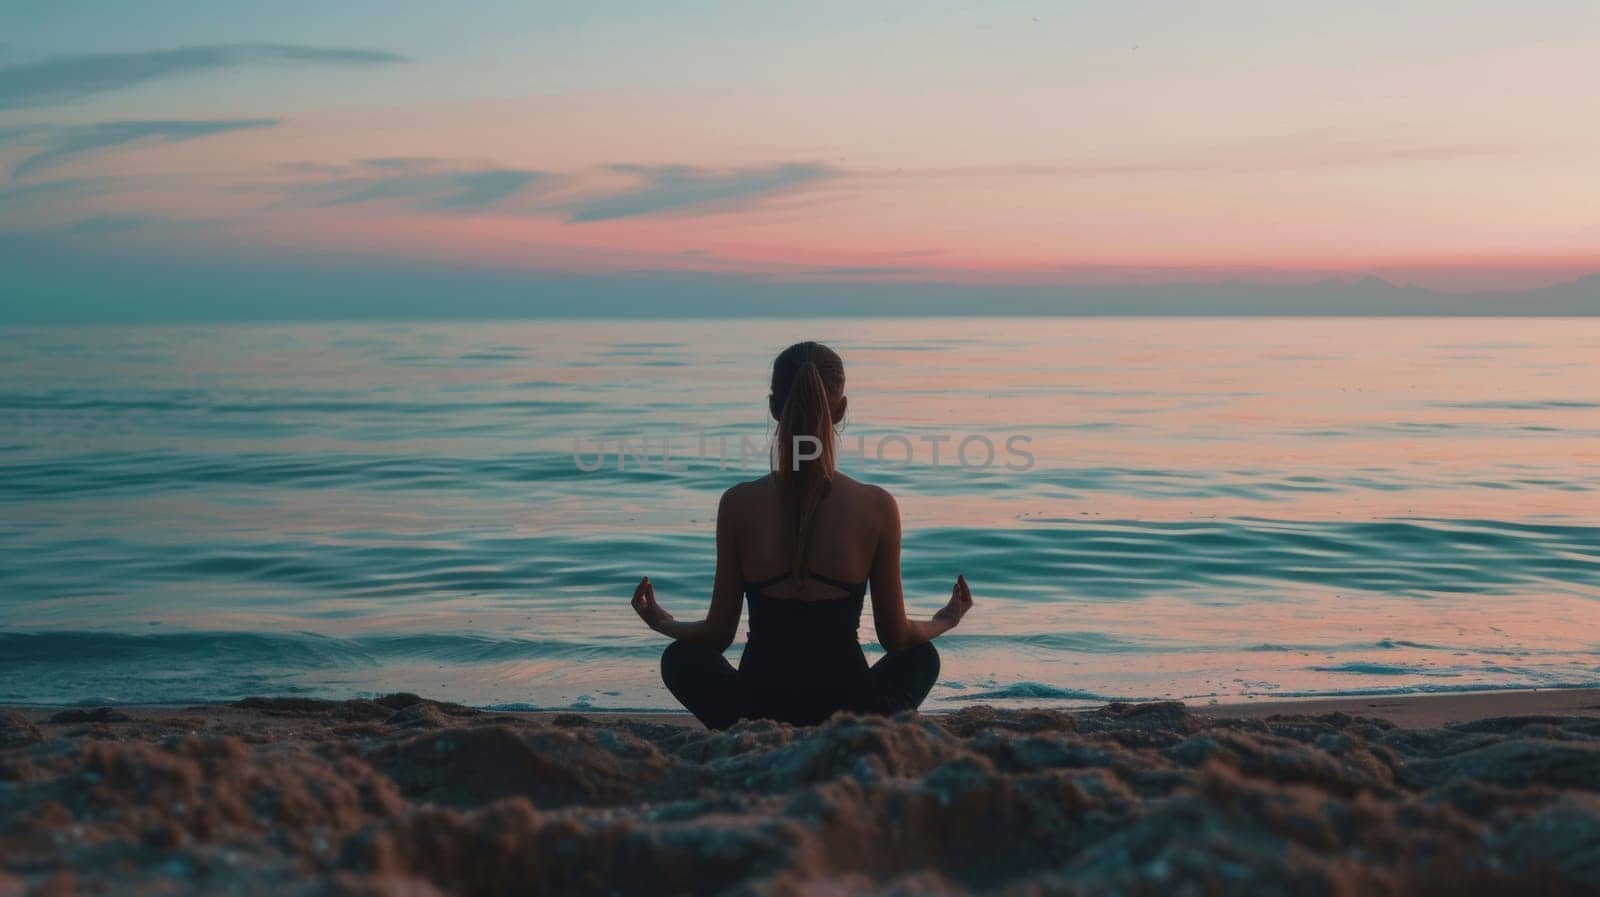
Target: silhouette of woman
<point>802,545</point>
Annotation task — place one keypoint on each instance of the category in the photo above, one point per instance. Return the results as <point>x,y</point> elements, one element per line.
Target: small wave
<point>1402,643</point>
<point>1029,691</point>
<point>1431,688</point>
<point>1075,642</point>
<point>1549,405</point>
<point>301,650</point>
<point>71,667</point>
<point>1362,668</point>
<point>280,649</point>
<point>470,649</point>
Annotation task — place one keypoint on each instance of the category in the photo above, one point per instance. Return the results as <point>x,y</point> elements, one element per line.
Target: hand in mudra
<point>644,604</point>
<point>960,602</point>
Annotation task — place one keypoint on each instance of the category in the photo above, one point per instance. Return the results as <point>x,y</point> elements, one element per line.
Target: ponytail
<point>808,380</point>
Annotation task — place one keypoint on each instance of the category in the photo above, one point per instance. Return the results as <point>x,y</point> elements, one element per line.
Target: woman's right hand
<point>960,602</point>
<point>644,604</point>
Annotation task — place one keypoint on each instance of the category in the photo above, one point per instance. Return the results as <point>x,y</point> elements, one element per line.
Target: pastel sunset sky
<point>1449,143</point>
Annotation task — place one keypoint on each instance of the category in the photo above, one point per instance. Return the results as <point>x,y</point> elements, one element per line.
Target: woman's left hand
<point>644,604</point>
<point>960,602</point>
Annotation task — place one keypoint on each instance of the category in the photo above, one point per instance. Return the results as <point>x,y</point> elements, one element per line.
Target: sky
<point>177,145</point>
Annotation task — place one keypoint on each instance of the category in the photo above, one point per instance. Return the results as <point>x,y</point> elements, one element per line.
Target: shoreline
<point>1425,710</point>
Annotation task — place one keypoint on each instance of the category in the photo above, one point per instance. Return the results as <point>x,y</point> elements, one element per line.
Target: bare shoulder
<point>874,500</point>
<point>740,496</point>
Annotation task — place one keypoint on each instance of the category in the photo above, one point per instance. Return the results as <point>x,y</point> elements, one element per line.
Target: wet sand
<point>1401,710</point>
<point>1463,794</point>
<point>1413,711</point>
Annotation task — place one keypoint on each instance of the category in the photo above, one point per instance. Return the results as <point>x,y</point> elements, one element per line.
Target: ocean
<point>1218,509</point>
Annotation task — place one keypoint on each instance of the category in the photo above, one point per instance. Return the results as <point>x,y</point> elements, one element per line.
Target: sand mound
<point>17,730</point>
<point>402,796</point>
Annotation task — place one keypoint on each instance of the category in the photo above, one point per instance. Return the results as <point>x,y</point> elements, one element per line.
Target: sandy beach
<point>1465,793</point>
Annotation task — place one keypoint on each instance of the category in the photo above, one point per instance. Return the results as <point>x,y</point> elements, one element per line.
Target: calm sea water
<point>1214,508</point>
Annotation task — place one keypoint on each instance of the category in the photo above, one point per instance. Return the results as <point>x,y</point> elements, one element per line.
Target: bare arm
<point>897,632</point>
<point>727,593</point>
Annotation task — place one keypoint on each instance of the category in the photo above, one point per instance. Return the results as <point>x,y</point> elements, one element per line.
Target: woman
<point>802,544</point>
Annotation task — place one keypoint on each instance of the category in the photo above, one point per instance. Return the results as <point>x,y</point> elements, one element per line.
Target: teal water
<point>1202,509</point>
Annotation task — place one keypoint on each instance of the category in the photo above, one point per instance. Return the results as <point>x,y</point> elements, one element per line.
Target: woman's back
<point>848,526</point>
<point>803,645</point>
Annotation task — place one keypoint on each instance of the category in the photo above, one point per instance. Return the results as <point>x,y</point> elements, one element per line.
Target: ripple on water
<point>1207,515</point>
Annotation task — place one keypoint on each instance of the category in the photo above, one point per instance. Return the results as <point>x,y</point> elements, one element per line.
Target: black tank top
<point>804,643</point>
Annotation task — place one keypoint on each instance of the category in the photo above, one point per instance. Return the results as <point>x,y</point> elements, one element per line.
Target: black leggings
<point>704,682</point>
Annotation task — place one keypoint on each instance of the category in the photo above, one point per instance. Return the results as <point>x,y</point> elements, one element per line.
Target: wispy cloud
<point>427,184</point>
<point>68,78</point>
<point>98,225</point>
<point>59,144</point>
<point>683,189</point>
<point>872,270</point>
<point>1282,155</point>
<point>64,188</point>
